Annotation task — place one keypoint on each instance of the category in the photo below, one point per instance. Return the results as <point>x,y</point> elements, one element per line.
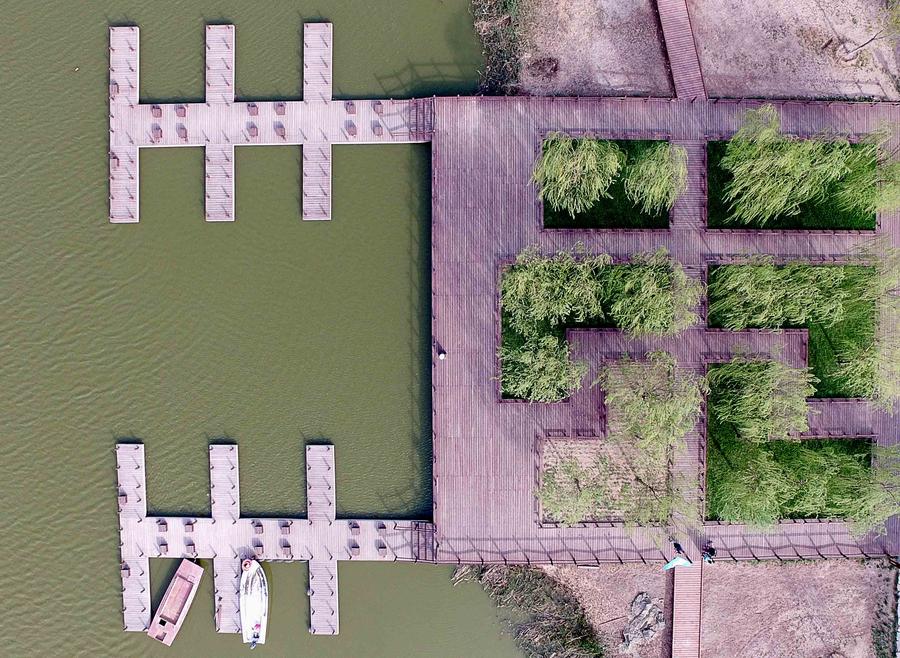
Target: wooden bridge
<point>227,537</point>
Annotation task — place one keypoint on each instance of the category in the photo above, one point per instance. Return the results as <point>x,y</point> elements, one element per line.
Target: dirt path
<point>592,48</point>
<point>796,609</point>
<point>796,49</point>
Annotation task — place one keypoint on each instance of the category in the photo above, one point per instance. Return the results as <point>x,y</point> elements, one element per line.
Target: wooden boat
<point>175,602</point>
<point>254,601</point>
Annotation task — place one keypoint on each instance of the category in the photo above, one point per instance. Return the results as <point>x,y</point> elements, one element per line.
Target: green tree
<point>652,295</point>
<point>656,176</point>
<point>652,403</point>
<point>547,290</point>
<point>762,400</point>
<point>774,175</point>
<point>573,174</point>
<point>763,295</point>
<point>872,183</point>
<point>539,369</point>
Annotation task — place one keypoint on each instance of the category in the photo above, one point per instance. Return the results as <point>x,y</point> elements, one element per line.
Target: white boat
<point>254,603</point>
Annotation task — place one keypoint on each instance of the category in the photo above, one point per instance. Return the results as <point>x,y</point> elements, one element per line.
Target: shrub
<point>652,295</point>
<point>774,175</point>
<point>573,174</point>
<point>540,290</point>
<point>539,369</point>
<point>656,177</point>
<point>763,295</point>
<point>762,400</point>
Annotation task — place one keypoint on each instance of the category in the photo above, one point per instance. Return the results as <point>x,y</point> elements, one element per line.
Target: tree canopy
<point>656,176</point>
<point>773,175</point>
<point>573,174</point>
<point>762,400</point>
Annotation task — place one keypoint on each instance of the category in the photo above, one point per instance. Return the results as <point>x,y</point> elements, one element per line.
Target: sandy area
<point>592,48</point>
<point>796,49</point>
<point>795,610</point>
<point>606,593</point>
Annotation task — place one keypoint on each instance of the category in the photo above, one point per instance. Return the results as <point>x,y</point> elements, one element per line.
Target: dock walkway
<point>226,538</point>
<point>222,122</point>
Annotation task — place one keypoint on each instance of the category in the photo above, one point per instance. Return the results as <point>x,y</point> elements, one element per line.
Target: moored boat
<point>175,602</point>
<point>254,602</point>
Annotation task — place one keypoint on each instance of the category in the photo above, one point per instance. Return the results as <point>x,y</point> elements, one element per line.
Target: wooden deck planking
<point>686,605</point>
<point>484,211</point>
<point>227,588</point>
<point>316,169</point>
<point>124,70</point>
<point>317,47</point>
<point>323,597</point>
<point>320,499</point>
<point>135,562</point>
<point>219,64</point>
<point>224,487</point>
<point>681,48</point>
<point>219,164</point>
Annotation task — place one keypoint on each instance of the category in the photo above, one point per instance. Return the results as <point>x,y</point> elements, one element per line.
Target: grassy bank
<point>546,618</point>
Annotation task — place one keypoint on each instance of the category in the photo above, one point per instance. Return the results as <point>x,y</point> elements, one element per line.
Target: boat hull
<point>254,602</point>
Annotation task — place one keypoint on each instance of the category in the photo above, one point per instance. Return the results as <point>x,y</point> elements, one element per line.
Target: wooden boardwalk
<point>485,211</point>
<point>684,62</point>
<point>226,538</point>
<point>686,604</point>
<point>222,122</point>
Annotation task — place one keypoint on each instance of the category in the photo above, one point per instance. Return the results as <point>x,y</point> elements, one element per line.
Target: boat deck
<point>176,602</point>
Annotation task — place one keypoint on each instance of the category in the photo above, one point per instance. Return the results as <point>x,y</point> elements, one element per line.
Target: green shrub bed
<point>831,301</point>
<point>824,213</point>
<point>758,473</point>
<point>588,183</point>
<point>542,295</point>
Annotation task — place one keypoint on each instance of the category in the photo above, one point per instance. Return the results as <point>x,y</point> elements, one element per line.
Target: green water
<point>270,332</point>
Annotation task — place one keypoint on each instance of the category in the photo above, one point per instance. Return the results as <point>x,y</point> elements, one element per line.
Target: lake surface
<point>269,332</point>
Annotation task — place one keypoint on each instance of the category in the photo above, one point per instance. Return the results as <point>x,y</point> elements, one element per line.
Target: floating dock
<point>226,538</point>
<point>176,603</point>
<point>222,122</point>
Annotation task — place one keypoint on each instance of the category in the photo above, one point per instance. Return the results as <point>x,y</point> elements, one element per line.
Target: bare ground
<point>796,610</point>
<point>606,593</point>
<point>796,49</point>
<point>592,48</point>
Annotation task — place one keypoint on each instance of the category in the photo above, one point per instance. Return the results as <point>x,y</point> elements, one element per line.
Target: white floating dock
<point>221,123</point>
<point>227,538</point>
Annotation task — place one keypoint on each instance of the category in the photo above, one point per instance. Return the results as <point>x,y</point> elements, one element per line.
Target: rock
<point>645,622</point>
